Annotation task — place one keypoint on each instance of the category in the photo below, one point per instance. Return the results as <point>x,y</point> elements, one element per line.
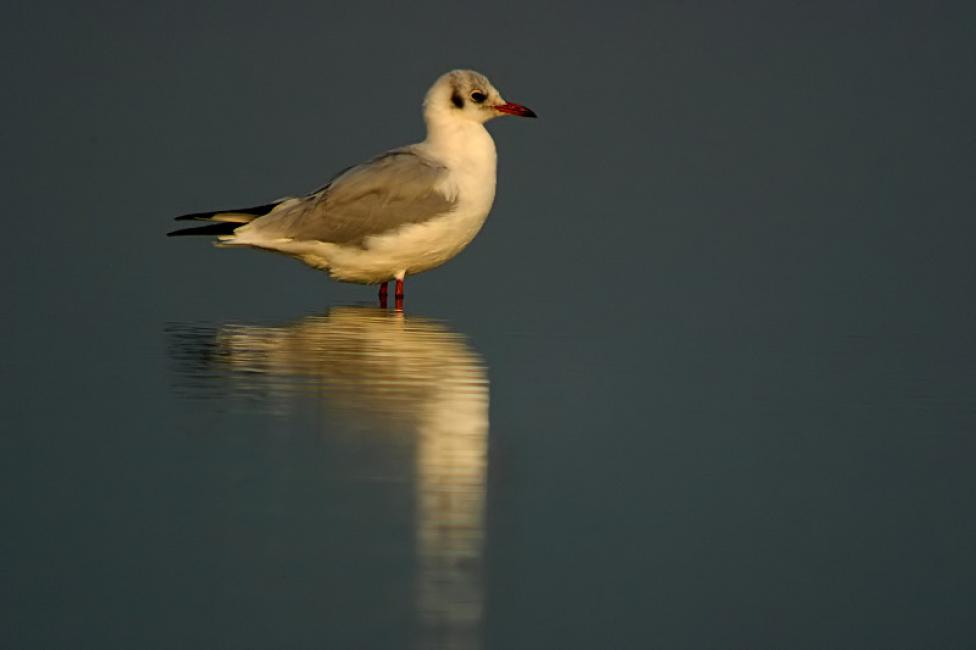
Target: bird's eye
<point>477,97</point>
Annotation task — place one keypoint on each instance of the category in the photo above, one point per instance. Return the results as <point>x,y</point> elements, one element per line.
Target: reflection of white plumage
<point>397,372</point>
<point>404,212</point>
<point>404,370</point>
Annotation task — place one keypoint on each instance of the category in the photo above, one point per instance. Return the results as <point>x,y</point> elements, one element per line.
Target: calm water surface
<point>358,477</point>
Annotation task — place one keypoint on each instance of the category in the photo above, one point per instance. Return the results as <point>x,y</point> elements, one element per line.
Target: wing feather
<point>398,188</point>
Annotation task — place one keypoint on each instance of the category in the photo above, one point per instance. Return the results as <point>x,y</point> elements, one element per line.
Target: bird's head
<point>468,95</point>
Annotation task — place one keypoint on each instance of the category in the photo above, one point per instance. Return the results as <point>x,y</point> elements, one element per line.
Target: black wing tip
<point>196,216</point>
<point>256,211</point>
<point>214,229</point>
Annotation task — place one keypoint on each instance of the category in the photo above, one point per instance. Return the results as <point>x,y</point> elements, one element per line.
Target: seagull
<point>405,211</point>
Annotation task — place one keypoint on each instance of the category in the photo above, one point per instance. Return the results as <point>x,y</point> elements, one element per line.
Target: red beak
<point>514,109</point>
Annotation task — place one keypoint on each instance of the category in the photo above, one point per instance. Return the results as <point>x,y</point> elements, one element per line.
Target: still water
<point>360,477</point>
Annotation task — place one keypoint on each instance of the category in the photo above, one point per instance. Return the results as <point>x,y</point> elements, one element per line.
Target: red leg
<point>399,294</point>
<point>383,292</point>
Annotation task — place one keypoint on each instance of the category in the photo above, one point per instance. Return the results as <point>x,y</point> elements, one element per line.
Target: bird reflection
<point>393,372</point>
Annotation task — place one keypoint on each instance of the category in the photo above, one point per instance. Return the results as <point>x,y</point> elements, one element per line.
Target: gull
<point>406,211</point>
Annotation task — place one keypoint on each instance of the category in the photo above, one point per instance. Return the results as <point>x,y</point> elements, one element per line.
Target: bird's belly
<point>409,250</point>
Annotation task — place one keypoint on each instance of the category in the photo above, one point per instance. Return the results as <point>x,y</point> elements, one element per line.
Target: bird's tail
<point>222,222</point>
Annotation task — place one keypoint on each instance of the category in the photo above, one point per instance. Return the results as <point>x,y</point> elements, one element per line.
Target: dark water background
<point>707,378</point>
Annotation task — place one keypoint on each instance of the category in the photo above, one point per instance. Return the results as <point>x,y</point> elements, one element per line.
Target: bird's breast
<point>469,154</point>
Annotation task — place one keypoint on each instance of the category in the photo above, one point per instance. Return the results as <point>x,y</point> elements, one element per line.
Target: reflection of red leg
<point>399,293</point>
<point>383,290</point>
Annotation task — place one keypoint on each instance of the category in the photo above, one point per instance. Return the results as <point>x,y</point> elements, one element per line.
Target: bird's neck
<point>460,141</point>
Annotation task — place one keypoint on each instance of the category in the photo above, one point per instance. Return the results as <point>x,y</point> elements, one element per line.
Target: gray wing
<point>390,191</point>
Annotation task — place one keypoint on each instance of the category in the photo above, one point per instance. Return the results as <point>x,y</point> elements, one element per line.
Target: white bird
<point>403,212</point>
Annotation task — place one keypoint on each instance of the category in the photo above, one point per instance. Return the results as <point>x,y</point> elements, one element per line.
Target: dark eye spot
<point>477,97</point>
<point>457,100</point>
